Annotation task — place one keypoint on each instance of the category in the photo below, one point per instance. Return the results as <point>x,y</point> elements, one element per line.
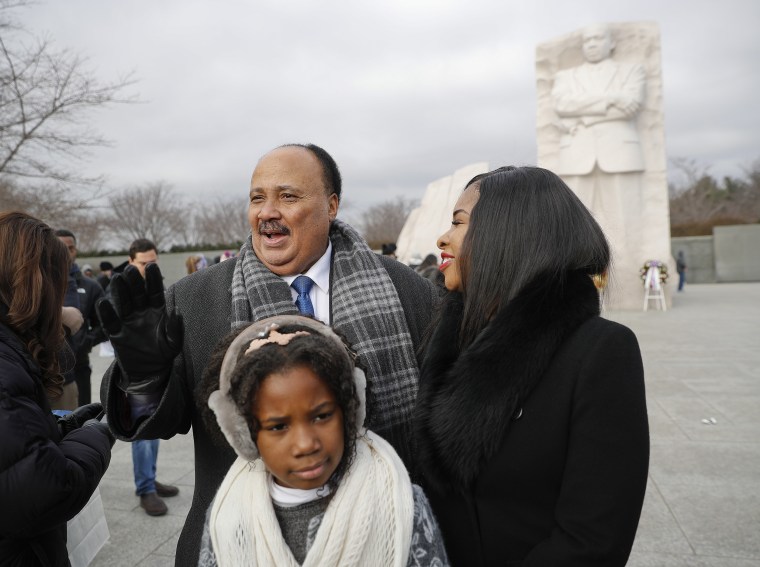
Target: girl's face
<point>450,242</point>
<point>301,428</point>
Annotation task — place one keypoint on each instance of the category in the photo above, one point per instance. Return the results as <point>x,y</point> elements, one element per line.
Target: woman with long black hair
<point>531,422</point>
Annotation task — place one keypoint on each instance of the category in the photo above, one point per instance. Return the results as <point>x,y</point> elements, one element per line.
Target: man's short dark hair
<point>330,172</point>
<point>141,245</point>
<point>62,232</point>
<point>106,266</point>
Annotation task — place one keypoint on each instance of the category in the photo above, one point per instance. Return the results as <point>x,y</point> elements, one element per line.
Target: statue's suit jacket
<point>593,132</point>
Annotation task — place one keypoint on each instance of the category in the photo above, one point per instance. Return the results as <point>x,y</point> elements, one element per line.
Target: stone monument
<point>600,127</point>
<point>432,218</point>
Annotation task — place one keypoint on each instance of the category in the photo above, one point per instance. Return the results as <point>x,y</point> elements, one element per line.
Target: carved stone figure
<point>600,127</point>
<point>598,102</point>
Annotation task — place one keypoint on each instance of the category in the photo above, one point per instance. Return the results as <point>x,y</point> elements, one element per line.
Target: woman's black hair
<point>526,224</point>
<point>319,353</point>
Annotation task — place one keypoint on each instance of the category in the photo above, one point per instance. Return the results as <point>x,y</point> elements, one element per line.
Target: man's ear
<point>333,204</point>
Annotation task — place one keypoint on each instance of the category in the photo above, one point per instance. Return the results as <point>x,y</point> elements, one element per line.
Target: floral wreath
<point>662,266</point>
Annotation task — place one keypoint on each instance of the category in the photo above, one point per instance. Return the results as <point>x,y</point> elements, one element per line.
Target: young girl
<point>310,485</point>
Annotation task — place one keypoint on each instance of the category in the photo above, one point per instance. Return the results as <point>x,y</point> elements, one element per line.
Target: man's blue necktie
<point>302,285</point>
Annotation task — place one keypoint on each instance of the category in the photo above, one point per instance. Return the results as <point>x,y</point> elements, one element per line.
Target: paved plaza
<point>702,508</point>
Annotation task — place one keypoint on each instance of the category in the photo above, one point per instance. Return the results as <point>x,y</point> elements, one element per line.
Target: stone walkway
<point>702,508</point>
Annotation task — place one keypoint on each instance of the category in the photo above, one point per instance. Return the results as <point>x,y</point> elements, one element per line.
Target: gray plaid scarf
<point>364,307</point>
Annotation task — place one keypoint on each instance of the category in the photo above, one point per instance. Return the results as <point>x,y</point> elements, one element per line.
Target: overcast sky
<point>400,92</point>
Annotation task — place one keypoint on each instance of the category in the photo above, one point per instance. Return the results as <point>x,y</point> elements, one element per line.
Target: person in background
<point>49,467</point>
<point>531,424</point>
<point>190,264</point>
<point>428,269</point>
<point>106,271</point>
<point>195,262</point>
<point>142,252</point>
<point>681,269</point>
<point>389,250</point>
<point>83,292</point>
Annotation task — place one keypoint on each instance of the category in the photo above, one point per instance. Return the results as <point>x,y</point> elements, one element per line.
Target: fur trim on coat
<point>467,400</point>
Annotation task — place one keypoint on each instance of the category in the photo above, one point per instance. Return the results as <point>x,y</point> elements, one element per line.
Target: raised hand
<point>145,338</point>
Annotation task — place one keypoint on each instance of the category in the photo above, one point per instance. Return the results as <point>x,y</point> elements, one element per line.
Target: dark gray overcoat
<point>203,300</point>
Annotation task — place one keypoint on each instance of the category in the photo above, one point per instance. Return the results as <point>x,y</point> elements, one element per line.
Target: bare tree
<point>53,205</point>
<point>151,211</point>
<point>222,223</point>
<point>383,222</point>
<point>46,96</point>
<point>91,227</point>
<point>703,201</point>
<point>697,199</point>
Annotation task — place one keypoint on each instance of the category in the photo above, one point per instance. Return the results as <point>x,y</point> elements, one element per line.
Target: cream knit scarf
<point>368,521</point>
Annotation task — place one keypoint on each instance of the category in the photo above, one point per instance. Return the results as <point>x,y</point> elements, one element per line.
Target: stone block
<point>432,218</point>
<point>699,256</point>
<point>737,253</point>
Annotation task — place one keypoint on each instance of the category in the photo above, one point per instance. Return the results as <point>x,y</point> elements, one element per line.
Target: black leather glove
<point>145,338</point>
<point>77,418</point>
<point>102,427</point>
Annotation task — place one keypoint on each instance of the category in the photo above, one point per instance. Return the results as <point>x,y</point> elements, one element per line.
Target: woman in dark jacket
<point>531,420</point>
<point>49,468</point>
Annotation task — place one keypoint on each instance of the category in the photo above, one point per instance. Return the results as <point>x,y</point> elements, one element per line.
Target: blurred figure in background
<point>681,269</point>
<point>83,292</point>
<point>429,269</point>
<point>389,250</point>
<point>195,262</point>
<point>106,271</point>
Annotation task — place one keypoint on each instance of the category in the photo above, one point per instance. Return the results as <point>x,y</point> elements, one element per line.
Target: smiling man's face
<point>290,211</point>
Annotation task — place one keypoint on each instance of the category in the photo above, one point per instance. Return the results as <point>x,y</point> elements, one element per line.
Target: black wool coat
<point>203,300</point>
<point>91,333</point>
<point>44,480</point>
<point>533,441</point>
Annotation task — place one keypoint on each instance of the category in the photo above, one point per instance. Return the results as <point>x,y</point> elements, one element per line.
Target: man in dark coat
<point>87,293</point>
<point>381,306</point>
<point>106,271</point>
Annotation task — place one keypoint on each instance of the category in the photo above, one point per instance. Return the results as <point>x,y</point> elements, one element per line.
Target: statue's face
<point>597,44</point>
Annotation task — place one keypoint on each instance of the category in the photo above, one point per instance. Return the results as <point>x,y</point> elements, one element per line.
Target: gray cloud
<point>401,93</point>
